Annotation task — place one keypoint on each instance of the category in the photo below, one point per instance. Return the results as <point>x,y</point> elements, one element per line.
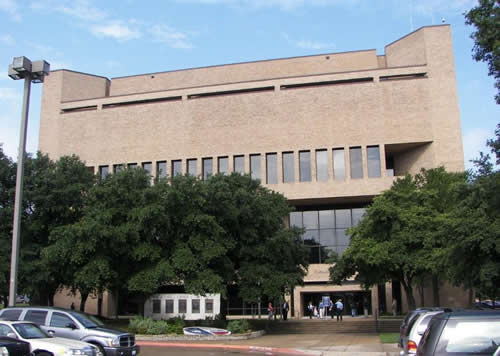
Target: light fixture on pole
<point>22,68</point>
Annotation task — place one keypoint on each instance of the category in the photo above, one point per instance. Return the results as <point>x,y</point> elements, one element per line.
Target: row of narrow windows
<point>248,91</point>
<point>322,172</point>
<point>181,306</point>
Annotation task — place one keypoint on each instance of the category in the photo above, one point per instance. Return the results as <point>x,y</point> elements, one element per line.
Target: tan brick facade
<point>405,102</point>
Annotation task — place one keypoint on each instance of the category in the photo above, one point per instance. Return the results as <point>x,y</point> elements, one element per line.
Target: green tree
<point>54,196</point>
<point>474,253</point>
<point>7,188</point>
<point>401,236</point>
<point>103,248</point>
<point>486,19</point>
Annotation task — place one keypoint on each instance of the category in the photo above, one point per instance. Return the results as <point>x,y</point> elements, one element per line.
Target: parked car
<point>462,333</point>
<point>42,344</point>
<point>415,330</point>
<point>14,347</point>
<point>403,328</point>
<point>78,326</point>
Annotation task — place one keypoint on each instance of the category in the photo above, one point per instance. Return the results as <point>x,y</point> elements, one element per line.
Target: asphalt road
<point>170,351</point>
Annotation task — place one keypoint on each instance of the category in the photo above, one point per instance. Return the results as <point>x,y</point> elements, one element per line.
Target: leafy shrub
<point>239,326</point>
<point>148,326</point>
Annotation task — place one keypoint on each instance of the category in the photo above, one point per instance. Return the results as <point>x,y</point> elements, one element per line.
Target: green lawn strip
<point>389,338</point>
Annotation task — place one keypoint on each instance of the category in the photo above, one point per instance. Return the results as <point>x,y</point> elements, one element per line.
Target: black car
<point>14,346</point>
<point>462,333</point>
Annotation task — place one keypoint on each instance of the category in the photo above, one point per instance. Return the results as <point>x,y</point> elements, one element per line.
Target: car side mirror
<point>12,335</point>
<point>72,326</point>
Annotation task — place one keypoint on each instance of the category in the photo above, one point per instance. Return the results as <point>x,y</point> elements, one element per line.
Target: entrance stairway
<point>329,326</point>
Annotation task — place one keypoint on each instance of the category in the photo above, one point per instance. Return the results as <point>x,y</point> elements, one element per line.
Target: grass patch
<point>389,338</point>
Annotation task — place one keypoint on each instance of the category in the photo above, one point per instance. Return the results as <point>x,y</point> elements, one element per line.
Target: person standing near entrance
<point>340,309</point>
<point>270,310</point>
<point>285,308</point>
<point>310,308</point>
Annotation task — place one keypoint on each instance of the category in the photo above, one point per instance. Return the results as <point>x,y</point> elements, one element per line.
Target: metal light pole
<point>22,68</point>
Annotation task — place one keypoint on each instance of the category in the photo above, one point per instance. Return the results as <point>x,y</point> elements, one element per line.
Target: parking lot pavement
<point>319,344</point>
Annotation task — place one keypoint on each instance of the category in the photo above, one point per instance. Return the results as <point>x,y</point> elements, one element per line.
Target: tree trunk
<point>421,292</point>
<point>471,292</point>
<point>410,298</point>
<point>83,300</point>
<point>99,304</point>
<point>435,290</point>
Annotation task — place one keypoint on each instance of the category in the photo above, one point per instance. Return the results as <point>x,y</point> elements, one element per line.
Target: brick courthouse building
<point>328,131</point>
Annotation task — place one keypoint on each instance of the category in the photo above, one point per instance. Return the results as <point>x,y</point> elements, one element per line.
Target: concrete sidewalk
<point>312,344</point>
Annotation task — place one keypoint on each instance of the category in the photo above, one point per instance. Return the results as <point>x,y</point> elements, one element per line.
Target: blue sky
<point>118,38</point>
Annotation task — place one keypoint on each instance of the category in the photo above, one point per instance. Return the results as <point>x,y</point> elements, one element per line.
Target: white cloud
<point>282,4</point>
<point>170,36</point>
<point>82,10</point>
<point>9,94</point>
<point>430,7</point>
<point>7,40</point>
<point>475,142</point>
<point>10,7</point>
<point>308,44</point>
<point>116,30</point>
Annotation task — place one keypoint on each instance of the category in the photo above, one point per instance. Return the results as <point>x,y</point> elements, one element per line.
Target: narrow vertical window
<point>305,166</point>
<point>161,169</point>
<point>373,157</point>
<point>117,168</point>
<point>239,164</point>
<point>207,167</point>
<point>288,167</point>
<point>103,171</point>
<point>182,306</point>
<point>322,165</point>
<point>192,168</point>
<point>156,306</point>
<point>222,165</point>
<point>195,306</point>
<point>271,168</point>
<point>209,305</point>
<point>176,168</point>
<point>255,166</point>
<point>169,306</point>
<point>338,164</point>
<point>91,169</point>
<point>356,161</point>
<point>147,166</point>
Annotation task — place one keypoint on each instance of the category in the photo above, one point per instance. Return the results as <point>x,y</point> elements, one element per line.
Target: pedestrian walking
<point>285,308</point>
<point>333,310</point>
<point>270,310</point>
<point>340,309</point>
<point>321,309</point>
<point>310,309</point>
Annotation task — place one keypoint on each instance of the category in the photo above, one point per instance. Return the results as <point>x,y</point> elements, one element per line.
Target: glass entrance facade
<point>325,231</point>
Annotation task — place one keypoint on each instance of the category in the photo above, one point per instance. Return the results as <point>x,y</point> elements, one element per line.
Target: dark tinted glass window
<point>271,168</point>
<point>255,166</point>
<point>147,166</point>
<point>342,218</point>
<point>169,306</point>
<point>326,219</point>
<point>373,157</point>
<point>209,305</point>
<point>288,167</point>
<point>195,306</point>
<point>296,219</point>
<point>103,171</point>
<point>322,165</point>
<point>310,219</point>
<point>327,237</point>
<point>117,168</point>
<point>182,306</point>
<point>36,316</point>
<point>305,166</point>
<point>11,314</point>
<point>176,168</point>
<point>239,164</point>
<point>156,306</point>
<point>356,160</point>
<point>207,167</point>
<point>192,168</point>
<point>132,165</point>
<point>338,164</point>
<point>161,169</point>
<point>357,215</point>
<point>311,237</point>
<point>222,165</point>
<point>60,320</point>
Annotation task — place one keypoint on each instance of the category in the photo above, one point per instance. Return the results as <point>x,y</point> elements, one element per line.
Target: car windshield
<point>87,320</point>
<point>30,331</point>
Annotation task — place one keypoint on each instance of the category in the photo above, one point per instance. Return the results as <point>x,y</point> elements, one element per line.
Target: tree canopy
<point>485,17</point>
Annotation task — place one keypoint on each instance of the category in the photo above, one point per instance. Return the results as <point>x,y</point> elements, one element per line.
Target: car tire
<point>43,353</point>
<point>101,349</point>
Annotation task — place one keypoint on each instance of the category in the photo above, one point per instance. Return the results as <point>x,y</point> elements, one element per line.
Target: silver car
<point>78,326</point>
<point>416,328</point>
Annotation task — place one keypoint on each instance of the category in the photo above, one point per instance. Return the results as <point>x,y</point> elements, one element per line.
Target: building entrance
<point>354,302</point>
